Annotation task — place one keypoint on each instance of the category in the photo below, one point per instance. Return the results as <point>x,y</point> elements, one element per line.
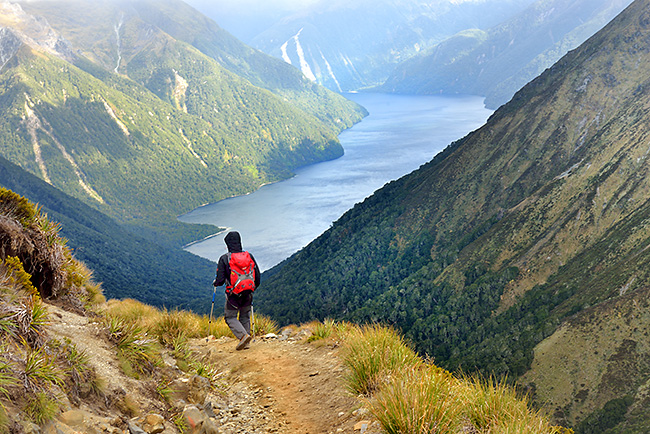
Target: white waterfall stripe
<point>117,28</point>
<point>331,72</point>
<point>285,56</point>
<point>304,65</point>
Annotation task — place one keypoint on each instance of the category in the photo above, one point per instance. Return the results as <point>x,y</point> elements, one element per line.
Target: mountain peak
<point>33,31</point>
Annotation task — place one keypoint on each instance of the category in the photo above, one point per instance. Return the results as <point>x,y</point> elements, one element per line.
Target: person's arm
<point>222,272</point>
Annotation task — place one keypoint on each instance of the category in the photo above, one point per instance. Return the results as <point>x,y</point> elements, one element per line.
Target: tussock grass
<point>218,328</point>
<point>372,353</point>
<point>171,325</point>
<point>39,369</point>
<point>408,395</point>
<point>419,399</point>
<point>41,408</point>
<point>132,311</point>
<point>322,330</point>
<point>264,325</point>
<point>141,352</point>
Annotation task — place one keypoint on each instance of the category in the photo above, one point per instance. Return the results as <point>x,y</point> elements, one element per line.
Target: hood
<point>233,241</point>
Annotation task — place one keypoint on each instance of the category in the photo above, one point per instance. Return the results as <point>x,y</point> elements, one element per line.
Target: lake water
<point>400,134</point>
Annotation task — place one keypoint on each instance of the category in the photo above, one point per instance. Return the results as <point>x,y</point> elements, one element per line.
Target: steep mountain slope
<point>171,130</point>
<point>126,264</point>
<point>353,45</point>
<point>532,227</point>
<point>499,61</point>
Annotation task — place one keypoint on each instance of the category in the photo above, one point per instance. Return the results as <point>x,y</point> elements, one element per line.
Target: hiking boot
<point>243,342</point>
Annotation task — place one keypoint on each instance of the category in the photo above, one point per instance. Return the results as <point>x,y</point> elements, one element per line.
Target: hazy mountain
<point>351,45</point>
<point>521,249</point>
<point>246,19</point>
<point>499,61</point>
<point>146,109</point>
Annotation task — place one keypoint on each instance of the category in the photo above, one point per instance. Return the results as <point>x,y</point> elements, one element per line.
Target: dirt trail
<point>283,386</point>
<point>302,382</point>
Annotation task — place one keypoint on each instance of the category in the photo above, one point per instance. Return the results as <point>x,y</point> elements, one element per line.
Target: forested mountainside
<point>521,249</point>
<point>348,46</point>
<point>126,264</point>
<point>499,61</point>
<point>134,108</point>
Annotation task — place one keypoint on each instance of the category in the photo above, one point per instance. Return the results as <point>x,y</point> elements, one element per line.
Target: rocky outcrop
<point>34,31</point>
<point>9,44</point>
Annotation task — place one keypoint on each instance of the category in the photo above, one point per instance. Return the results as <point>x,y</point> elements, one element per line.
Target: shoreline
<point>206,238</point>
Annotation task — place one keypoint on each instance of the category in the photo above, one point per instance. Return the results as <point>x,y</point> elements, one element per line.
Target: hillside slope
<point>536,221</point>
<point>498,61</point>
<point>109,106</point>
<point>126,264</point>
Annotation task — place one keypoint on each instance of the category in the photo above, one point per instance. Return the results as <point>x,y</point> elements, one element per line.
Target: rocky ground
<point>281,384</point>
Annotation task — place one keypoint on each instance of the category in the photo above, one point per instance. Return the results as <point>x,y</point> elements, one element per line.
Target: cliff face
<point>523,229</point>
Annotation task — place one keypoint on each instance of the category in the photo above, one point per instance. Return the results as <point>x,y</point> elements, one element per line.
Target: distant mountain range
<point>498,61</point>
<point>146,109</point>
<point>520,250</point>
<point>347,45</point>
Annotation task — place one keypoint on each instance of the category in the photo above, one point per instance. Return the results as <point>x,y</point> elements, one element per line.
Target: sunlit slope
<point>535,219</point>
<point>131,153</point>
<point>171,130</point>
<point>118,35</point>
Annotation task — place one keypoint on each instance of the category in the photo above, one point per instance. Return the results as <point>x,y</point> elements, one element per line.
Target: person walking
<point>241,274</point>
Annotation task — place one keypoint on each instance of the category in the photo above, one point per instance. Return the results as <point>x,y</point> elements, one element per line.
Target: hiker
<point>239,287</point>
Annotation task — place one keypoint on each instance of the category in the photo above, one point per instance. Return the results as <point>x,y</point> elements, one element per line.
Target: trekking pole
<point>210,320</point>
<point>252,322</point>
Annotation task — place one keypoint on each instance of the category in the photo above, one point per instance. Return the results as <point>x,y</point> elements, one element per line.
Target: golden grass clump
<point>28,235</point>
<point>372,353</point>
<point>410,396</point>
<point>418,399</point>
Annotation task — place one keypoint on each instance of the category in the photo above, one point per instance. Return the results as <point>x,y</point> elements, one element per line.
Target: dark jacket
<point>233,242</point>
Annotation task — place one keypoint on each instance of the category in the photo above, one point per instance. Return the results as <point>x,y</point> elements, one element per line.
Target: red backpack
<point>242,273</point>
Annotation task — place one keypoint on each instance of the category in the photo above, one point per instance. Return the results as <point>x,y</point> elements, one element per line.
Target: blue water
<point>400,134</point>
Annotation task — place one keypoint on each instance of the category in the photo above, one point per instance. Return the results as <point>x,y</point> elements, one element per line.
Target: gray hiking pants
<point>239,320</point>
